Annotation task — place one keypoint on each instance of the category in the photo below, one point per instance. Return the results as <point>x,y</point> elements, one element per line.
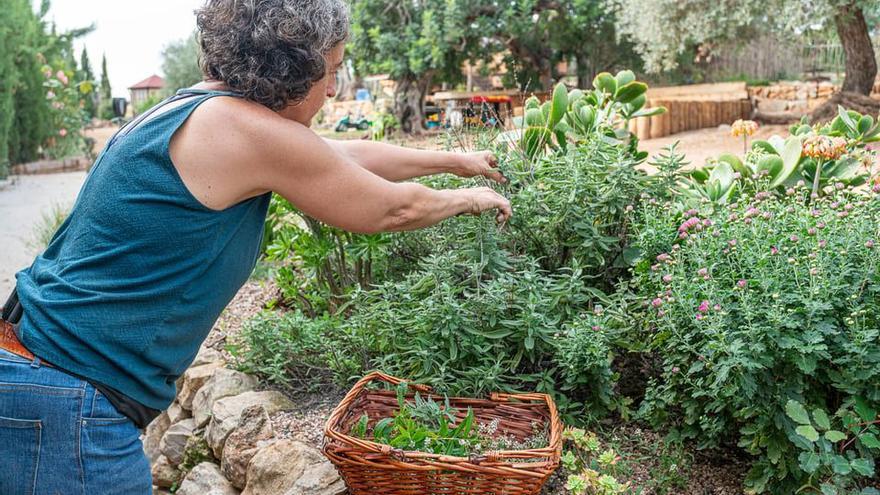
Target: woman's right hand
<point>481,199</point>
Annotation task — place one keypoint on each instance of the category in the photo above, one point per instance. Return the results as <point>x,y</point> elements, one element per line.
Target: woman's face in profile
<point>304,111</point>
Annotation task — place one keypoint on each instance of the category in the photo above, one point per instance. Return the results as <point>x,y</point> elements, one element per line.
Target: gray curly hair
<point>271,51</point>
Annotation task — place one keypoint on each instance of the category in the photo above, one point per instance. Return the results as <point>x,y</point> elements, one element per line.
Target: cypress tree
<point>106,94</point>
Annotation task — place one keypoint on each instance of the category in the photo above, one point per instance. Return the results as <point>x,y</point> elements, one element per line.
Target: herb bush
<point>772,301</point>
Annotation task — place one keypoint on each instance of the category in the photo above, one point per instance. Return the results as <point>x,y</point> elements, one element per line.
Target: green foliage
<point>425,425</point>
<point>764,313</point>
<point>295,351</point>
<point>31,123</point>
<point>836,149</point>
<point>320,265</point>
<point>577,115</point>
<point>90,105</point>
<point>180,63</point>
<point>105,94</point>
<point>50,222</point>
<point>147,104</point>
<point>592,470</point>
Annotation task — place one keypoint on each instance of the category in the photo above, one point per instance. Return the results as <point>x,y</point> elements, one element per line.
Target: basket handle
<point>378,375</point>
<point>356,389</point>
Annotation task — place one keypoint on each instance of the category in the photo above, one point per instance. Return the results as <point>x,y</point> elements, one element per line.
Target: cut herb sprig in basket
<point>424,425</point>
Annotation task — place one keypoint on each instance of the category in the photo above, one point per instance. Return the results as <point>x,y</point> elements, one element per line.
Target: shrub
<point>774,299</point>
<point>294,351</point>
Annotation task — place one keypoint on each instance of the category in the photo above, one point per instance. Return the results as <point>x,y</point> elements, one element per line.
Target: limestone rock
<point>206,479</point>
<point>193,380</point>
<point>287,467</point>
<point>176,413</point>
<point>153,436</point>
<point>226,414</point>
<point>206,355</point>
<point>164,474</point>
<point>224,383</point>
<point>243,443</point>
<point>174,441</point>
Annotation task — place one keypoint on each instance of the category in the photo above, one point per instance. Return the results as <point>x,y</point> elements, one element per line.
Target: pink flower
<point>747,221</point>
<point>877,188</point>
<point>842,214</point>
<point>820,225</point>
<point>683,235</point>
<point>655,268</point>
<point>814,271</point>
<point>732,217</point>
<point>699,317</point>
<point>657,302</point>
<point>61,76</point>
<point>823,243</point>
<point>676,247</point>
<point>751,212</point>
<point>704,307</point>
<point>811,231</point>
<point>869,244</point>
<point>50,95</point>
<point>667,278</point>
<point>62,132</point>
<point>703,272</point>
<point>675,369</point>
<point>717,307</point>
<point>774,250</point>
<point>596,328</point>
<point>661,313</point>
<point>794,238</point>
<point>815,213</point>
<point>742,284</point>
<point>663,257</point>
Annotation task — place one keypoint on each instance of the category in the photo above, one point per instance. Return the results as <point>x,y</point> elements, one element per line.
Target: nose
<point>331,88</point>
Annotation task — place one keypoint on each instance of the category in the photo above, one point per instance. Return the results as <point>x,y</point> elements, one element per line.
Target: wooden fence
<point>693,107</point>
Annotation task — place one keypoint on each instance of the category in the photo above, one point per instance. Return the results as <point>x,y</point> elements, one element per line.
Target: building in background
<point>149,88</point>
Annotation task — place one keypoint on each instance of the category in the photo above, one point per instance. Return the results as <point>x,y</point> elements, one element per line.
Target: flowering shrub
<point>775,299</point>
<point>67,116</point>
<point>838,150</point>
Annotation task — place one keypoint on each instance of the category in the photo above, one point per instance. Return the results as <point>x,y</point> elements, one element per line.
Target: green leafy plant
<point>577,114</point>
<point>836,149</point>
<point>424,426</point>
<point>591,469</point>
<point>770,300</point>
<point>838,449</point>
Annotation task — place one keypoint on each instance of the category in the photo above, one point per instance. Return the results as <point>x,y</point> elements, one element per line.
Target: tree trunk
<point>861,65</point>
<point>409,103</point>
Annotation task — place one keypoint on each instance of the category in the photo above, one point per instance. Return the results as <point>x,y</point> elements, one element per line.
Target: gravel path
<point>22,205</point>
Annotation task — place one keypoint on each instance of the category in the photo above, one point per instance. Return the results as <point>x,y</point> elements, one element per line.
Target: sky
<point>131,32</point>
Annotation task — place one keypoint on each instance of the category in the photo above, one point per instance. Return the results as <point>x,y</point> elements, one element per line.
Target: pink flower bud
<point>774,250</point>
<point>675,369</point>
<point>742,284</point>
<point>667,278</point>
<point>62,132</point>
<point>704,307</point>
<point>657,302</point>
<point>869,244</point>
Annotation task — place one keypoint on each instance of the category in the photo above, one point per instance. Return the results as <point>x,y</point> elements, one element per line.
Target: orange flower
<point>744,128</point>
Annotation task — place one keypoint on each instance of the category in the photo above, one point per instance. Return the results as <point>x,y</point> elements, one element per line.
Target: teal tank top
<point>137,275</point>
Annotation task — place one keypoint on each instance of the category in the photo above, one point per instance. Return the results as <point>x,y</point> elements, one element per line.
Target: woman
<point>167,228</point>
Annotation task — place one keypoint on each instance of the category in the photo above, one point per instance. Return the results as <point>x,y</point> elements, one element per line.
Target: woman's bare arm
<point>397,163</point>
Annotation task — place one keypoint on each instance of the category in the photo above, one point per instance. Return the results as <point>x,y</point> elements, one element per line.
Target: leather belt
<point>8,339</point>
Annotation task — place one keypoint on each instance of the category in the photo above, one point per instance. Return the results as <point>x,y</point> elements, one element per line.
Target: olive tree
<point>663,29</point>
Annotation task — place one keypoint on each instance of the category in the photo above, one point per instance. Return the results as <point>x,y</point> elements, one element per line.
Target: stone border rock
<point>222,410</point>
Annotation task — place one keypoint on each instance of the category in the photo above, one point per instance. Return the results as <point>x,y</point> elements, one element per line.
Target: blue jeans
<point>58,435</point>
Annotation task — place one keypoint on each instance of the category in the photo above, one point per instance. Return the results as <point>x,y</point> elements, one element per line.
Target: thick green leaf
<point>532,102</point>
<point>534,117</point>
<point>559,105</point>
<point>791,155</point>
<point>796,411</point>
<point>736,163</point>
<point>828,489</point>
<point>649,112</point>
<point>820,417</point>
<point>834,436</point>
<point>870,440</point>
<point>625,77</point>
<point>809,462</point>
<point>631,91</point>
<point>866,412</point>
<point>863,466</point>
<point>605,83</point>
<point>865,124</point>
<point>847,119</point>
<point>765,146</point>
<point>636,104</point>
<point>807,432</point>
<point>840,465</point>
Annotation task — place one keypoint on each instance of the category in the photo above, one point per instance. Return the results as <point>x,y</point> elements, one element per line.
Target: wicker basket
<point>371,468</point>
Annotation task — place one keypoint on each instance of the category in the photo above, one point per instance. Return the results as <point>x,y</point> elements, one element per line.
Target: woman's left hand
<point>479,163</point>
